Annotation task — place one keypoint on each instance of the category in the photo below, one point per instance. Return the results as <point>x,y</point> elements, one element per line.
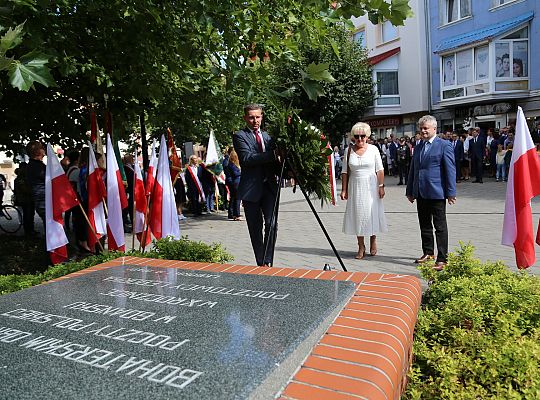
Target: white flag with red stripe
<point>139,195</point>
<point>332,174</point>
<point>523,185</point>
<point>116,201</point>
<point>96,195</point>
<point>164,217</point>
<point>59,197</point>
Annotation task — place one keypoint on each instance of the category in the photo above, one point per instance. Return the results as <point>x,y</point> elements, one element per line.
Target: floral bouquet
<point>305,147</point>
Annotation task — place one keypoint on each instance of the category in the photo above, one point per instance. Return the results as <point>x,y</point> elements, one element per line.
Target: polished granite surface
<point>132,332</point>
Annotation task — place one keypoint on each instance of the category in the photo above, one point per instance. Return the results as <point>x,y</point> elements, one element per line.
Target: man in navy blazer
<point>459,154</point>
<point>258,184</point>
<point>432,181</point>
<point>477,148</point>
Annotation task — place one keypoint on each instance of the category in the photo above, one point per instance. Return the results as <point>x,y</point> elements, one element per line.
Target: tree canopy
<point>188,64</point>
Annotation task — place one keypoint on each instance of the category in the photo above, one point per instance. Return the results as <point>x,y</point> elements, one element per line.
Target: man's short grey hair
<point>428,119</point>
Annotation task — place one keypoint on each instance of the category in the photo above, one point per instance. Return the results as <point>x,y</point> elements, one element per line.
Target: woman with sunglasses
<point>363,188</point>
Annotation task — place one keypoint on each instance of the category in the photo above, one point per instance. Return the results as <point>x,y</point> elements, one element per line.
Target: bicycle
<point>10,218</point>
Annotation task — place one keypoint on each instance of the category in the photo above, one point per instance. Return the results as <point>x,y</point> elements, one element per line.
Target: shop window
<point>387,88</point>
<point>497,3</point>
<point>453,10</point>
<point>512,61</point>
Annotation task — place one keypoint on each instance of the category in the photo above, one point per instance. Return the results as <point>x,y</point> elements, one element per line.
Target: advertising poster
<point>482,63</point>
<point>519,62</point>
<point>449,72</point>
<point>464,68</point>
<point>502,60</point>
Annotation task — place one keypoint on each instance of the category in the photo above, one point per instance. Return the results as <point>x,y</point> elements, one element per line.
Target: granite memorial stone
<point>138,332</point>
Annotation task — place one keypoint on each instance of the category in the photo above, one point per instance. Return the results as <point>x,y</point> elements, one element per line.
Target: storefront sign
<point>489,109</point>
<point>376,123</point>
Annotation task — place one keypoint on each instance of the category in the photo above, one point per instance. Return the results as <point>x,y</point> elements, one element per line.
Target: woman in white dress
<point>363,188</point>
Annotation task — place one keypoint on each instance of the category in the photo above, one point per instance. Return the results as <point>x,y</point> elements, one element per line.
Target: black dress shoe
<point>424,258</point>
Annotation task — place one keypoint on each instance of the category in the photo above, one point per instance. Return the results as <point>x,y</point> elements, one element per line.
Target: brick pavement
<point>476,217</point>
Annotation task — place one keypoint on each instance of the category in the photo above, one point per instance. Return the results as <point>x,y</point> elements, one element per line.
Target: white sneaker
<point>182,217</point>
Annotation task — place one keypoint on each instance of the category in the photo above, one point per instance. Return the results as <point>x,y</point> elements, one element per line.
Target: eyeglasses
<point>359,136</point>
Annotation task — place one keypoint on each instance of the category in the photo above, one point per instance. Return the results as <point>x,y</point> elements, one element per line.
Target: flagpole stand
<point>273,220</point>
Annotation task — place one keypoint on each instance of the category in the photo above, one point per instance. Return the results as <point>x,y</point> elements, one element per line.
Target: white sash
<point>197,183</point>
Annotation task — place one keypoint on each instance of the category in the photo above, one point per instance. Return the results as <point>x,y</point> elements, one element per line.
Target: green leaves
<point>11,38</point>
<point>478,335</point>
<point>30,69</point>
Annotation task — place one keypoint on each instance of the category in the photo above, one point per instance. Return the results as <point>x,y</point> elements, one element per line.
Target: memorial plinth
<point>141,328</point>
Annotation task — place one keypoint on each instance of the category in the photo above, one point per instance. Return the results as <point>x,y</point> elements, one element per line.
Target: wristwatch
<point>381,185</point>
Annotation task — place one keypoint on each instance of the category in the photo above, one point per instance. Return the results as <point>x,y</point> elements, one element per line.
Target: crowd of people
<point>430,165</point>
<point>194,186</point>
<point>477,153</point>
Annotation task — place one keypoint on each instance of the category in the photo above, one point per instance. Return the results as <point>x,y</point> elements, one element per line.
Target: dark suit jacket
<point>434,177</point>
<point>257,168</point>
<point>477,149</point>
<point>393,150</point>
<point>459,153</point>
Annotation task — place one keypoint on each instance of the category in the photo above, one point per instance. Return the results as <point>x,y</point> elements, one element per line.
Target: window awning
<point>383,56</point>
<point>480,35</point>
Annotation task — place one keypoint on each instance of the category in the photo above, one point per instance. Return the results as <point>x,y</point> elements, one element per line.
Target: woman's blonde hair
<point>233,158</point>
<point>360,128</point>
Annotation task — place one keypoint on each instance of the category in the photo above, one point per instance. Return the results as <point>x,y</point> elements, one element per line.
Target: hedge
<point>166,248</point>
<point>477,336</point>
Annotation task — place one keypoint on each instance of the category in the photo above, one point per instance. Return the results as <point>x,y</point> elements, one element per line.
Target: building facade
<point>399,60</point>
<point>484,62</point>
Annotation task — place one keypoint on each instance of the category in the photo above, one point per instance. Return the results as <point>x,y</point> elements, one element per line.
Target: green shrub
<point>188,250</point>
<point>478,334</point>
<point>166,248</point>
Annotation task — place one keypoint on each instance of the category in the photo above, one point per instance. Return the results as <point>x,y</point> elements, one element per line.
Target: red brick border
<point>364,354</point>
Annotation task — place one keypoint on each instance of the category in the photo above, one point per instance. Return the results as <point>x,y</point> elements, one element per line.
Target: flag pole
<point>146,226</point>
<point>134,205</point>
<point>91,228</point>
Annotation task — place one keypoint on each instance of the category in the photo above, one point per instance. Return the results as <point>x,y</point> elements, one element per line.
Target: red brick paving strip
<point>365,353</point>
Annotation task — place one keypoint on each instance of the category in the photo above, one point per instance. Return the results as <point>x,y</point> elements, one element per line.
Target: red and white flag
<point>152,170</point>
<point>523,185</point>
<point>116,201</point>
<point>96,194</point>
<point>59,197</point>
<point>332,174</point>
<point>163,216</point>
<point>140,205</point>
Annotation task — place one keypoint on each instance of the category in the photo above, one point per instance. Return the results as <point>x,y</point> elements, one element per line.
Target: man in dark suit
<point>459,154</point>
<point>477,148</point>
<point>258,184</point>
<point>393,146</point>
<point>432,181</point>
<point>535,134</point>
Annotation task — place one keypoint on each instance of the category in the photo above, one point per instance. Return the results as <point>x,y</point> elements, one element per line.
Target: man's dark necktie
<point>259,141</point>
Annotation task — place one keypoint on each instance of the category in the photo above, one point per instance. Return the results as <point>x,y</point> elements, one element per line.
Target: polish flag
<point>59,197</point>
<point>332,174</point>
<point>96,194</point>
<point>140,205</point>
<point>163,217</point>
<point>152,169</point>
<point>523,185</point>
<point>116,201</point>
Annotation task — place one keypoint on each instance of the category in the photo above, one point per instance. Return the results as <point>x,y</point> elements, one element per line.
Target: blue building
<point>484,61</point>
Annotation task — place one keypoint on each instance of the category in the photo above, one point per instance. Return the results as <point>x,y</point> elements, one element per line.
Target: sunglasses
<point>359,136</point>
